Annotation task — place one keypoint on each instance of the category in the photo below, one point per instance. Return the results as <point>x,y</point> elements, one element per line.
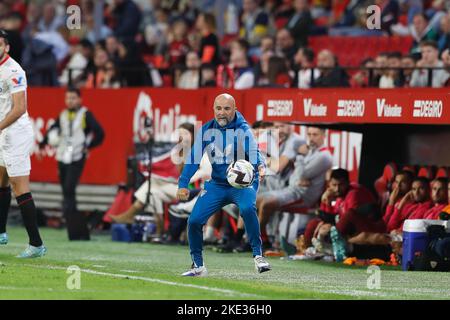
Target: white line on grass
<point>170,283</point>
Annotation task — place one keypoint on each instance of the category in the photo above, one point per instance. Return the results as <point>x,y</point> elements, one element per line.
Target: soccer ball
<point>240,174</point>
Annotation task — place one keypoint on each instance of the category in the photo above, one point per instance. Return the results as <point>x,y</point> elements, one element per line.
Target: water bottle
<point>338,244</point>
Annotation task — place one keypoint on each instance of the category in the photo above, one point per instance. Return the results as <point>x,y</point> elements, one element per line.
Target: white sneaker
<point>261,265</point>
<point>196,272</point>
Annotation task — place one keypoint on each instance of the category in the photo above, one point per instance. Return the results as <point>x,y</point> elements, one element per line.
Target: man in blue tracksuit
<point>226,138</point>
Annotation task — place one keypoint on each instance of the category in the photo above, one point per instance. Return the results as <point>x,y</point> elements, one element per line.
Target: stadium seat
<point>442,172</point>
<point>428,172</point>
<point>350,51</point>
<point>384,183</point>
<point>410,168</point>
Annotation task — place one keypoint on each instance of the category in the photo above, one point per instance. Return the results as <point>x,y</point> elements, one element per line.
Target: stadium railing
<point>169,77</point>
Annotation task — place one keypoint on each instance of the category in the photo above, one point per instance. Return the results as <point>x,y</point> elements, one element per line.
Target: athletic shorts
<point>161,192</point>
<point>16,144</point>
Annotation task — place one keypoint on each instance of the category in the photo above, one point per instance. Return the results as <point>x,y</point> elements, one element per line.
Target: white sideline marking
<point>170,283</point>
<point>129,271</point>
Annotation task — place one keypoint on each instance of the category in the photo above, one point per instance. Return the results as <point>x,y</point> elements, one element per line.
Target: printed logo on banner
<point>350,108</point>
<point>314,110</point>
<point>280,108</point>
<point>149,119</point>
<point>387,110</point>
<point>427,109</point>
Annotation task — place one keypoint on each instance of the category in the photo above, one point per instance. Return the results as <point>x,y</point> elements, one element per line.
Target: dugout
<point>403,144</point>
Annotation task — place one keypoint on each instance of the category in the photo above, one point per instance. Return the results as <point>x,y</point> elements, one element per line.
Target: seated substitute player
<point>16,142</point>
<point>306,182</point>
<point>224,148</point>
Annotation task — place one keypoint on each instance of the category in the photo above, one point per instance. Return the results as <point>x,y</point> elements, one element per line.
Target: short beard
<point>222,122</point>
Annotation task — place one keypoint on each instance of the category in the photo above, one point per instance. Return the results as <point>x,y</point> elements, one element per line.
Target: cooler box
<point>415,238</point>
<point>120,232</point>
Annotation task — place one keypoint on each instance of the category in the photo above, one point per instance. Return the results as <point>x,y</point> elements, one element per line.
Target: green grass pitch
<point>113,270</point>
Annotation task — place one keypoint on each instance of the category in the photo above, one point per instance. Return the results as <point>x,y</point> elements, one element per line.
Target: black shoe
<point>267,245</point>
<point>223,248</point>
<point>290,249</point>
<point>245,247</point>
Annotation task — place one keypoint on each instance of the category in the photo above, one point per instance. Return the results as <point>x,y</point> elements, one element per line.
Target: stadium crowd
<point>233,44</point>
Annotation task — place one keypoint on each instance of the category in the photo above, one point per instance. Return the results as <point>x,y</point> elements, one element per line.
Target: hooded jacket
<point>223,145</point>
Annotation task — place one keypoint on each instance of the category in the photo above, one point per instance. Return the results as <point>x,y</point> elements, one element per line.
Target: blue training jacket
<point>223,145</point>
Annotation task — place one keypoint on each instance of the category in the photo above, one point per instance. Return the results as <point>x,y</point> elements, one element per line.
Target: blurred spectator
<point>209,43</point>
<point>435,13</point>
<point>80,57</point>
<point>127,18</point>
<point>243,72</point>
<point>391,78</point>
<point>267,43</point>
<point>91,34</point>
<point>430,59</point>
<point>58,40</point>
<point>361,79</point>
<point>155,34</point>
<point>390,11</point>
<point>178,43</point>
<point>110,78</point>
<point>444,35</point>
<point>190,78</point>
<point>194,40</point>
<point>381,62</point>
<point>40,63</point>
<point>208,76</point>
<point>12,24</point>
<point>285,45</point>
<point>133,71</point>
<point>421,30</point>
<point>319,8</point>
<point>95,77</point>
<point>304,63</point>
<point>280,12</point>
<point>50,21</point>
<point>112,48</point>
<point>278,73</point>
<point>408,63</point>
<point>299,24</point>
<point>33,16</point>
<point>254,23</point>
<point>240,45</point>
<point>262,69</point>
<point>446,60</point>
<point>331,75</point>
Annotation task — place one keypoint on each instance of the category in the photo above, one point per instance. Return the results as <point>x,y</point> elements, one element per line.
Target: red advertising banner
<point>122,113</point>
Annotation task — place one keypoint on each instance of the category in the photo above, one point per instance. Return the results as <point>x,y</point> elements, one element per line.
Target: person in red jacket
<point>414,204</point>
<point>354,204</point>
<point>401,186</point>
<point>439,196</point>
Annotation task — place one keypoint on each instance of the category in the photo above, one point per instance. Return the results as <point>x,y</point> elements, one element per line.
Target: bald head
<point>326,59</point>
<point>224,109</point>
